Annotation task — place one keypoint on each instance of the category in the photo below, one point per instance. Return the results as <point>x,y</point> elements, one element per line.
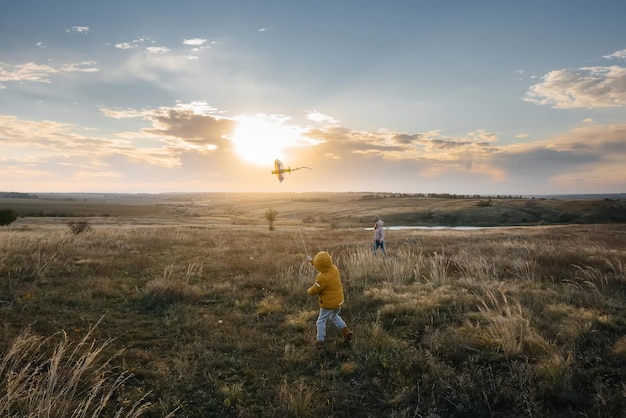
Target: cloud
<point>125,45</point>
<point>588,87</point>
<point>26,72</point>
<point>78,29</point>
<point>41,73</point>
<point>477,160</point>
<point>386,155</point>
<point>122,113</point>
<point>573,161</point>
<point>186,125</point>
<point>618,55</point>
<point>194,42</point>
<point>199,45</point>
<point>190,143</point>
<point>316,116</point>
<point>198,108</point>
<point>134,43</point>
<point>83,67</point>
<point>60,153</point>
<point>158,49</point>
<point>47,136</point>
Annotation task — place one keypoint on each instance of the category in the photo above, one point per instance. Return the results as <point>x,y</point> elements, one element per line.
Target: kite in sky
<point>280,171</point>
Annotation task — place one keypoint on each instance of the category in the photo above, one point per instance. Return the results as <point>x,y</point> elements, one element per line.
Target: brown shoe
<point>346,334</point>
<point>320,345</point>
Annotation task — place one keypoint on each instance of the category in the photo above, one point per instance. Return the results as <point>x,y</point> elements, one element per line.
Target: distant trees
<point>382,195</point>
<point>7,216</point>
<point>270,216</point>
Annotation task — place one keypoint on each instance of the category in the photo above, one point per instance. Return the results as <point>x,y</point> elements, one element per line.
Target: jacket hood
<point>323,262</point>
<point>380,223</point>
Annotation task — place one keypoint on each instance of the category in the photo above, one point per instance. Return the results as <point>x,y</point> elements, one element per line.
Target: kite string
<point>299,230</point>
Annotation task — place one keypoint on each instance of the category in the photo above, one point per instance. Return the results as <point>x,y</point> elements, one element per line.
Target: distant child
<point>329,293</point>
<point>379,237</point>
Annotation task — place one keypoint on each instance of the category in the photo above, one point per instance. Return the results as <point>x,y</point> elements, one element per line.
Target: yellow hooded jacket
<point>327,284</point>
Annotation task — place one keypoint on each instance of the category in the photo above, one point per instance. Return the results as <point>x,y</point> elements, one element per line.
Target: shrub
<point>7,216</point>
<point>78,227</point>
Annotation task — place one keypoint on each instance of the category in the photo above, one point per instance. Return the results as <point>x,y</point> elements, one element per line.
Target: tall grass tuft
<point>439,266</point>
<point>73,381</point>
<point>507,324</point>
<point>404,267</point>
<point>297,399</point>
<point>619,348</point>
<point>554,372</point>
<point>474,266</point>
<point>524,270</point>
<point>173,287</point>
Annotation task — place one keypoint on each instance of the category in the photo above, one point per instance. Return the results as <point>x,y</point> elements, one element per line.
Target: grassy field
<point>195,308</point>
<point>338,210</point>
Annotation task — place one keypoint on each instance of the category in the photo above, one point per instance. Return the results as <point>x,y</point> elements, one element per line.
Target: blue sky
<point>458,96</point>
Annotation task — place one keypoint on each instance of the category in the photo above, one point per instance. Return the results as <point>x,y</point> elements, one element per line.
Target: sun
<point>260,140</point>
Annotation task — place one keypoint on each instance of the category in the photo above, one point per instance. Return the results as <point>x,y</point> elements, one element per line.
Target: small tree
<point>7,216</point>
<point>270,216</point>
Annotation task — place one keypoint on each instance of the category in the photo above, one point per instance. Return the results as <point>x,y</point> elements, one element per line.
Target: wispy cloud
<point>158,49</point>
<point>83,67</point>
<point>194,41</point>
<point>42,73</point>
<point>55,150</point>
<point>27,72</point>
<point>198,45</point>
<point>316,116</point>
<point>134,43</point>
<point>124,45</point>
<point>617,54</point>
<point>194,46</point>
<point>78,29</point>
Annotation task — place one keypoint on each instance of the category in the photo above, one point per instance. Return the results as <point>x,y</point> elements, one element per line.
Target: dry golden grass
<point>214,319</point>
<point>619,349</point>
<point>76,380</point>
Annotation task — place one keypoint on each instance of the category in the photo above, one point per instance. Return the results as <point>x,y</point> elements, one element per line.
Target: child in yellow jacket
<point>329,293</point>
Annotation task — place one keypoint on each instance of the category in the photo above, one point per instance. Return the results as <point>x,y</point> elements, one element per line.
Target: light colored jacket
<point>327,284</point>
<point>379,231</point>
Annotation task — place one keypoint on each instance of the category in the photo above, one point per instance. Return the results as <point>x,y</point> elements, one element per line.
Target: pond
<point>458,228</point>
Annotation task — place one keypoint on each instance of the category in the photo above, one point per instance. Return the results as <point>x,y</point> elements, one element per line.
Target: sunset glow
<point>260,141</point>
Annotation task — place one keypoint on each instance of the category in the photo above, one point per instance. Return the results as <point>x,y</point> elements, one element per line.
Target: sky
<point>423,96</point>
